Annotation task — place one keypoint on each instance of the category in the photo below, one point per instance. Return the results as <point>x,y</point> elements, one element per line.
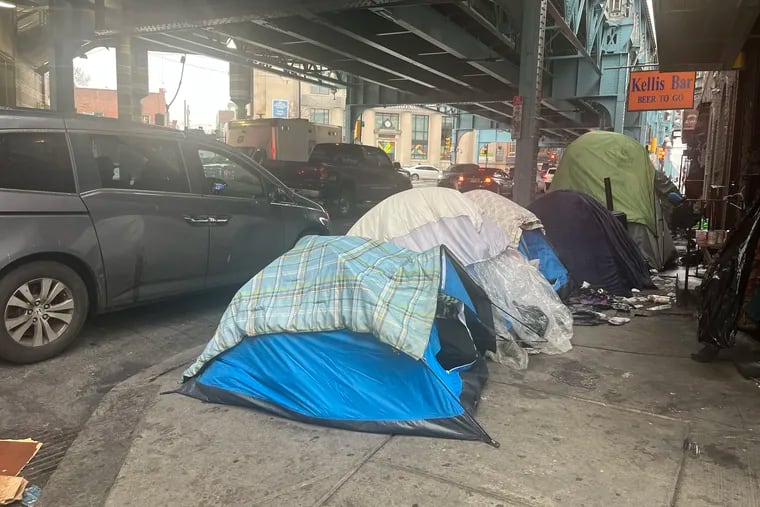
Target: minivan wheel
<point>43,307</point>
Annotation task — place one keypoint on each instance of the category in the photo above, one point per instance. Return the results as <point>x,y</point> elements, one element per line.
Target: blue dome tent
<point>355,334</point>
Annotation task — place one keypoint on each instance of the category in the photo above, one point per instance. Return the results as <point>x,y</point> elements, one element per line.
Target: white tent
<point>423,218</point>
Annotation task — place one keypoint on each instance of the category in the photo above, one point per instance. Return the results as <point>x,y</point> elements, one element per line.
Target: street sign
<point>657,91</point>
<point>517,114</point>
<point>280,108</point>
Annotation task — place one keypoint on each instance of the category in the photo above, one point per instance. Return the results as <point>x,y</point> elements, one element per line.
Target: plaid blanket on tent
<point>333,283</point>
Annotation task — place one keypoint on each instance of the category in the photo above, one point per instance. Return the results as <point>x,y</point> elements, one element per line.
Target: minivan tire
<point>12,351</point>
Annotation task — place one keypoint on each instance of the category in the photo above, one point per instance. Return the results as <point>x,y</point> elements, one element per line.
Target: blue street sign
<point>279,108</point>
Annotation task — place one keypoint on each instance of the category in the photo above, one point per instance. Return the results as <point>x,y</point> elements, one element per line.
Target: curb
<point>93,461</point>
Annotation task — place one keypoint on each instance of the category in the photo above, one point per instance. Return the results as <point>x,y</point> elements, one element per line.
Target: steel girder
<point>151,16</point>
<point>430,25</point>
<point>196,44</point>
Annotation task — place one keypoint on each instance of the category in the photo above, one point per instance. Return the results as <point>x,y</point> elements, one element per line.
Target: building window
<point>447,130</point>
<point>320,90</point>
<point>420,136</point>
<point>386,121</point>
<point>320,116</point>
<point>388,146</point>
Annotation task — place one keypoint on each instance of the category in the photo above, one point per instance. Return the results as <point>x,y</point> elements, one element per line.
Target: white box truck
<point>268,139</point>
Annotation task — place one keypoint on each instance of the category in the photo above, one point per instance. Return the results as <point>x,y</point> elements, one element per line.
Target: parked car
<point>344,176</point>
<point>465,177</point>
<point>494,180</point>
<point>99,214</point>
<point>545,178</point>
<point>448,177</point>
<point>424,172</point>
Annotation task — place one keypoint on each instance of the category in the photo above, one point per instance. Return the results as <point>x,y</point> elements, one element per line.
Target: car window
<point>376,158</point>
<point>342,154</point>
<point>138,163</point>
<point>228,178</point>
<point>36,161</point>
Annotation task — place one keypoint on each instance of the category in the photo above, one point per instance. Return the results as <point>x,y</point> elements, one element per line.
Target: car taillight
<point>461,179</point>
<point>487,180</point>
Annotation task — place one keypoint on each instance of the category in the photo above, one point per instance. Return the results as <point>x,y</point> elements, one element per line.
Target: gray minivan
<point>99,214</point>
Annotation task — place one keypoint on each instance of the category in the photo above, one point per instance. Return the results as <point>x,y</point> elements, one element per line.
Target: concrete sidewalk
<point>602,425</point>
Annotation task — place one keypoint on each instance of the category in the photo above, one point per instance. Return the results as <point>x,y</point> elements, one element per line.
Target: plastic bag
<point>523,298</point>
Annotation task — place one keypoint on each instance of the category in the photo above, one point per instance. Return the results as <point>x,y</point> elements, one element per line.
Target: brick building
<point>101,102</point>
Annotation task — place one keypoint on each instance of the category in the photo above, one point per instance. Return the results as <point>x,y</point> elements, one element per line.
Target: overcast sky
<point>205,85</point>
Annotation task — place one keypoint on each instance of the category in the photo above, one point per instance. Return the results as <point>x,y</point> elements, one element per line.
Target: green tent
<point>597,155</point>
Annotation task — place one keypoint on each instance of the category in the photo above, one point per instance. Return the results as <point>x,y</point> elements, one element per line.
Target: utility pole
<point>527,105</point>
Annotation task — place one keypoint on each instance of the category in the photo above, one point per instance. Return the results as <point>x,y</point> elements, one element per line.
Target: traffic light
<point>447,144</point>
<point>358,129</point>
<point>661,153</point>
<point>652,145</point>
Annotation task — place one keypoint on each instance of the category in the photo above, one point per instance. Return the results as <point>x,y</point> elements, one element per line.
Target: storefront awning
<point>702,34</point>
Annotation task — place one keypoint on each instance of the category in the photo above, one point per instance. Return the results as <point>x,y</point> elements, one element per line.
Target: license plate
<point>473,180</point>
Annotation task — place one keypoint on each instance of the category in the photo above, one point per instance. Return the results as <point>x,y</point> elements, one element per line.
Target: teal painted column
<point>531,83</point>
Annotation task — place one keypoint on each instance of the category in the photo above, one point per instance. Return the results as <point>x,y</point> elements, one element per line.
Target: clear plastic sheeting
<point>509,353</point>
<point>524,300</point>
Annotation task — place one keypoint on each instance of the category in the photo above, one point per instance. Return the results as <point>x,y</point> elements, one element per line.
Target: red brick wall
<point>104,102</point>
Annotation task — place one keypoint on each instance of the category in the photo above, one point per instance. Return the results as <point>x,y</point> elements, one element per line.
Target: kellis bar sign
<point>654,90</point>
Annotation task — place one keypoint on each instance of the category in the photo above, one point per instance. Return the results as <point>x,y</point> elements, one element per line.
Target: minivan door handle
<point>196,219</point>
<point>219,219</point>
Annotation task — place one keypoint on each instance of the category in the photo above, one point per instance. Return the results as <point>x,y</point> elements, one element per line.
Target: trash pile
<point>593,307</point>
<point>14,456</point>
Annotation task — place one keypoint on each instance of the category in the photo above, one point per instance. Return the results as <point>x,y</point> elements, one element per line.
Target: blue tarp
<point>533,245</point>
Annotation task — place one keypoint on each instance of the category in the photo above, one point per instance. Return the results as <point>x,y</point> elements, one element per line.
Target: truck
<point>279,138</point>
<point>343,177</point>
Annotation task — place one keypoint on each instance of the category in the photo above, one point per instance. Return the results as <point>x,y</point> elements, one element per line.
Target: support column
<point>140,78</point>
<point>354,110</point>
<point>531,82</point>
<point>241,89</point>
<point>64,47</point>
<point>124,84</point>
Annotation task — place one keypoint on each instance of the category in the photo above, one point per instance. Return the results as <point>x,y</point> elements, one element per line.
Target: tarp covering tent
<point>354,334</point>
<point>591,242</point>
<point>525,232</point>
<point>597,155</point>
<point>515,287</point>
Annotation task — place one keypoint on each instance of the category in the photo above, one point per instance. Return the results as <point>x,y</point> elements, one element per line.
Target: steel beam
<point>179,44</point>
<point>569,34</point>
<point>348,47</point>
<point>151,16</point>
<point>281,43</point>
<point>292,66</point>
<point>348,25</point>
<point>531,81</point>
<point>445,34</point>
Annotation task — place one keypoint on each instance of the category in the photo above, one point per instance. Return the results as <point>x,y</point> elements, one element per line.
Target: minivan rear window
<point>35,161</point>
